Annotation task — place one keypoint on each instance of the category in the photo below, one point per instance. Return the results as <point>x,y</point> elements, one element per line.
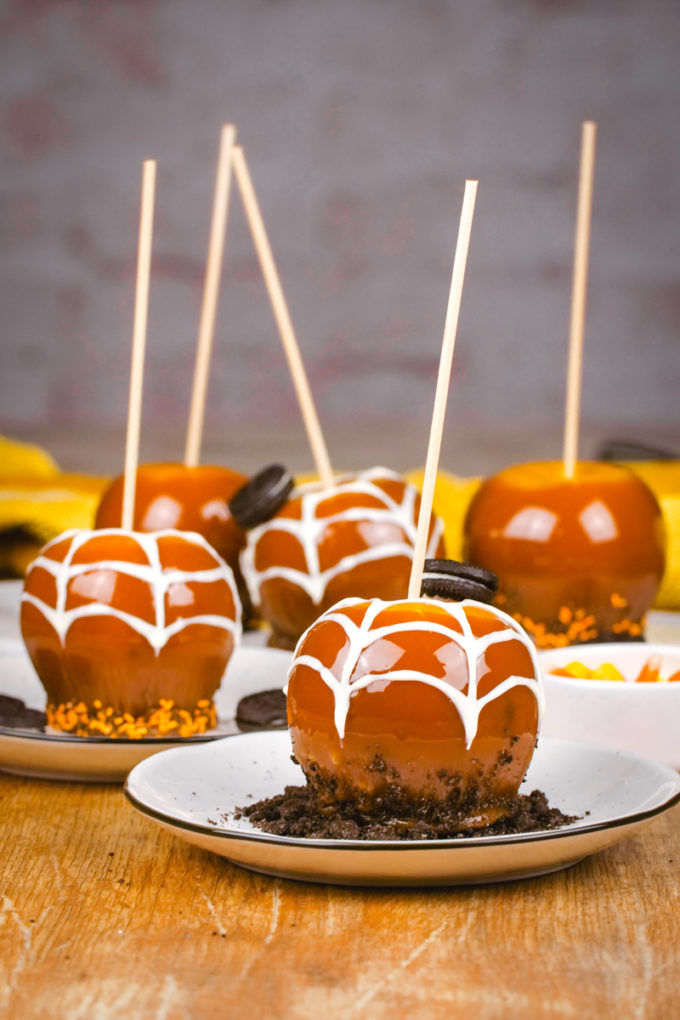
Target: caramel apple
<point>320,545</point>
<point>578,559</point>
<point>184,498</point>
<point>415,705</point>
<point>188,499</point>
<point>130,633</point>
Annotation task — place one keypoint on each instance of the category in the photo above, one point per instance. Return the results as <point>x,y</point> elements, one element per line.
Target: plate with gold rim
<point>196,793</point>
<point>46,754</point>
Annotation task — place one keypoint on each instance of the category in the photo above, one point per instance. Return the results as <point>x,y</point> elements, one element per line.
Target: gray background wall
<point>361,120</point>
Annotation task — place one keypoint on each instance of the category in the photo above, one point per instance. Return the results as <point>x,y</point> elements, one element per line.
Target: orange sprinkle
<point>576,625</point>
<point>565,614</point>
<point>163,719</point>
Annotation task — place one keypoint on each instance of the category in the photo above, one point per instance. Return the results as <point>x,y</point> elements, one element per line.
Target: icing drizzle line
<point>360,636</point>
<point>309,528</point>
<point>152,572</point>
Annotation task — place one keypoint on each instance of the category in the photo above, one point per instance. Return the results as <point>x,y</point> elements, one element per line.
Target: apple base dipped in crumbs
<point>411,719</point>
<point>130,633</point>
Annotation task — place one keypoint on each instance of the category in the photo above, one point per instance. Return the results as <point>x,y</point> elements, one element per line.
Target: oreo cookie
<point>259,499</point>
<point>15,715</point>
<point>262,711</point>
<point>455,581</point>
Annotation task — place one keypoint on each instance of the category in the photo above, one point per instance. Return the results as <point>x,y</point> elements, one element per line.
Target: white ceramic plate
<point>29,752</point>
<point>194,791</point>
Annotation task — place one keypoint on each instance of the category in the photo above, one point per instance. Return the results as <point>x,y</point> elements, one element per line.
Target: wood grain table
<point>103,914</point>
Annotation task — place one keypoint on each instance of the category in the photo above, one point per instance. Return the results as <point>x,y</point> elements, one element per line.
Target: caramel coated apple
<point>183,498</point>
<point>130,633</point>
<point>577,559</point>
<point>415,702</point>
<point>353,539</point>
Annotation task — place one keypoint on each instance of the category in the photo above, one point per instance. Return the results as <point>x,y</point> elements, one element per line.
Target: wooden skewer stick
<point>442,390</point>
<point>213,269</point>
<point>138,341</point>
<point>282,317</point>
<point>578,297</point>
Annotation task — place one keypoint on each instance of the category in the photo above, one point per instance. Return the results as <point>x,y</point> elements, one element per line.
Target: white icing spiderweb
<point>309,530</point>
<point>362,635</point>
<point>158,578</point>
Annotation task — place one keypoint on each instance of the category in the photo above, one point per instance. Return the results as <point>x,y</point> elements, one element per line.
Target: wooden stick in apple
<point>282,317</point>
<point>442,389</point>
<point>138,340</point>
<point>578,297</point>
<point>213,269</point>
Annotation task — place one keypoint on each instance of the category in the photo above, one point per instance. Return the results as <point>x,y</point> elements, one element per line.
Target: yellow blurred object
<point>663,478</point>
<point>607,671</point>
<point>45,507</point>
<point>574,669</point>
<point>452,496</point>
<point>21,460</point>
<point>37,502</point>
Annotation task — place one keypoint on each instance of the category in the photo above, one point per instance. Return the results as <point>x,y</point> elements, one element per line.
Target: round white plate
<point>10,598</point>
<point>30,752</point>
<point>194,792</point>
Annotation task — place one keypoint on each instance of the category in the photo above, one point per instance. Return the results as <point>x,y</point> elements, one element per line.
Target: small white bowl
<point>644,718</point>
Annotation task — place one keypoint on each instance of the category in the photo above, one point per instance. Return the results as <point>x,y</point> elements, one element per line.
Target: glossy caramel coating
<point>577,559</point>
<point>184,498</point>
<point>289,604</point>
<point>405,734</point>
<point>115,676</point>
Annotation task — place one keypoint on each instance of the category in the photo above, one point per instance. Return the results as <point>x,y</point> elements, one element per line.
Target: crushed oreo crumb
<point>16,716</point>
<point>299,813</point>
<point>264,710</point>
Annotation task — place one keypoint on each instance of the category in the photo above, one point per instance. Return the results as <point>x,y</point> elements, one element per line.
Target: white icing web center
<point>309,530</point>
<point>152,573</point>
<point>361,636</point>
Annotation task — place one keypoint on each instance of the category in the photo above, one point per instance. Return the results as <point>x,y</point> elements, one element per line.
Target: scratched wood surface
<point>105,915</point>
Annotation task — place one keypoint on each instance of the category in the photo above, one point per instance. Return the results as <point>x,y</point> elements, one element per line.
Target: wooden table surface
<point>106,915</point>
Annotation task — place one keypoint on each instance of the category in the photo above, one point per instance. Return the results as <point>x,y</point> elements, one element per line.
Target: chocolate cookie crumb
<point>299,813</point>
<point>264,710</point>
<point>14,715</point>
